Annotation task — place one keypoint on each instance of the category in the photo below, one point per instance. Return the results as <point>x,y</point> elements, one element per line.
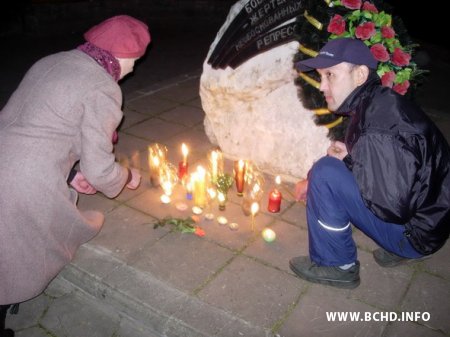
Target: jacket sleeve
<point>386,167</point>
<point>102,115</point>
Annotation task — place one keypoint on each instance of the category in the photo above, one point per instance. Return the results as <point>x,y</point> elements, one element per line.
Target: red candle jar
<point>274,201</point>
<point>182,169</point>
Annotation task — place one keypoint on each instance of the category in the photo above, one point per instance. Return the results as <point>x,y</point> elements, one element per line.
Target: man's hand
<point>135,179</point>
<point>301,188</point>
<point>337,150</point>
<point>80,184</point>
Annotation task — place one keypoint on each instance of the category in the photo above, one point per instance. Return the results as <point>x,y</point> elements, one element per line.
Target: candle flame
<point>155,161</point>
<point>214,155</point>
<point>278,180</point>
<point>184,151</point>
<point>241,164</point>
<point>254,208</point>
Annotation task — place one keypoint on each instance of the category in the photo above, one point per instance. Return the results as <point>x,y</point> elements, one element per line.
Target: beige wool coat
<point>65,109</point>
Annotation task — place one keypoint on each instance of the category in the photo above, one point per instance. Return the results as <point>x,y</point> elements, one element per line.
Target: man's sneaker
<point>388,259</point>
<point>303,267</point>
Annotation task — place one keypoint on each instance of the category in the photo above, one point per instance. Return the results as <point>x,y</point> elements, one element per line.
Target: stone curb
<point>154,304</point>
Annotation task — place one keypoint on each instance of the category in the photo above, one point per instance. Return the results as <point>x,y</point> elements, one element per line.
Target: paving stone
<point>181,92</point>
<point>96,202</point>
<point>185,115</point>
<point>131,117</point>
<point>438,263</point>
<point>296,215</point>
<point>253,291</point>
<point>197,140</point>
<point>75,315</point>
<point>429,293</point>
<point>155,130</point>
<point>130,148</point>
<point>126,232</point>
<point>381,287</point>
<point>183,260</point>
<point>309,318</point>
<point>30,312</point>
<point>130,328</point>
<point>402,329</point>
<point>150,203</point>
<point>150,105</point>
<point>290,241</point>
<point>92,261</point>
<point>31,332</point>
<point>196,102</point>
<point>234,239</point>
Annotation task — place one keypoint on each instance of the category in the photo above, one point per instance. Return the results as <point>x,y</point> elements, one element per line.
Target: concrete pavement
<point>134,280</point>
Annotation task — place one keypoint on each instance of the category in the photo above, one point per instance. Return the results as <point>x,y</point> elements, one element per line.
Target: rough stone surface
<point>254,111</point>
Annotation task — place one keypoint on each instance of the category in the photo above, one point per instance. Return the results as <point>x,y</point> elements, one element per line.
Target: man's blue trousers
<point>334,203</point>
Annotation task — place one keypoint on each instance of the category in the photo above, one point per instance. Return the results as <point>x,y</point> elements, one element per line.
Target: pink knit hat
<point>123,36</point>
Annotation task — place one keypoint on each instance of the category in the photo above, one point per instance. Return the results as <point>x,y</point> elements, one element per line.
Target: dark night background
<point>31,29</point>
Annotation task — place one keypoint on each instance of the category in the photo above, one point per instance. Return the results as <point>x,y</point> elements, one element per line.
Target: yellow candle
<point>199,184</point>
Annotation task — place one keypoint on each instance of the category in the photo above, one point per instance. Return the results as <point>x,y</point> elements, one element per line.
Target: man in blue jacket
<point>390,179</point>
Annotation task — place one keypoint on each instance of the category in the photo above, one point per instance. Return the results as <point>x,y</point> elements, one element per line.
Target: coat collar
<point>356,96</point>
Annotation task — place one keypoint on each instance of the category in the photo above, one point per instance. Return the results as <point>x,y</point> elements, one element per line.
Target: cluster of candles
<point>200,184</point>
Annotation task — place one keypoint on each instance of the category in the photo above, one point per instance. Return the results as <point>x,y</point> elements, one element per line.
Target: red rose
<point>352,4</point>
<point>379,52</point>
<point>199,231</point>
<point>367,6</point>
<point>400,58</point>
<point>401,88</point>
<point>337,25</point>
<point>365,31</point>
<point>388,78</point>
<point>387,32</point>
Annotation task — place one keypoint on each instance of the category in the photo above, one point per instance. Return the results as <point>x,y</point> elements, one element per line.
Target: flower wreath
<point>359,19</point>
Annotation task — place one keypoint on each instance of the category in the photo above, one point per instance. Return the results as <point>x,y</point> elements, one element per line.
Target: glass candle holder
<point>221,200</point>
<point>253,190</point>
<point>157,154</point>
<point>168,178</point>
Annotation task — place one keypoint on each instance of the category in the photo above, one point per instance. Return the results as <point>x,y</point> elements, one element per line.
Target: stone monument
<point>248,92</point>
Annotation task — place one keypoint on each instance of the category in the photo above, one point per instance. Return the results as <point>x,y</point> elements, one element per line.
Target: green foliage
<point>182,225</point>
<point>224,182</point>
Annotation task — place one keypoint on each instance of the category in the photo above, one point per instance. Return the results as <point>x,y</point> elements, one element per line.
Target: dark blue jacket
<point>401,162</point>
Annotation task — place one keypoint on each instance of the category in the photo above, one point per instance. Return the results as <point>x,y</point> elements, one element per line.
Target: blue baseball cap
<point>339,50</point>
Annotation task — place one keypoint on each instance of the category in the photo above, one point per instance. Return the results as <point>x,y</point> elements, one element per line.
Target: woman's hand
<point>80,184</point>
<point>337,150</point>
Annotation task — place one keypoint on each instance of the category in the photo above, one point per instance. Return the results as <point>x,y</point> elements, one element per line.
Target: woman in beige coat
<point>65,110</point>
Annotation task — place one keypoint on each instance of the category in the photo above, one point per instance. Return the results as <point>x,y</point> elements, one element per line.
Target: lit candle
<point>199,185</point>
<point>254,209</point>
<point>154,170</point>
<point>239,173</point>
<point>183,165</point>
<point>215,164</point>
<point>268,235</point>
<point>275,198</point>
